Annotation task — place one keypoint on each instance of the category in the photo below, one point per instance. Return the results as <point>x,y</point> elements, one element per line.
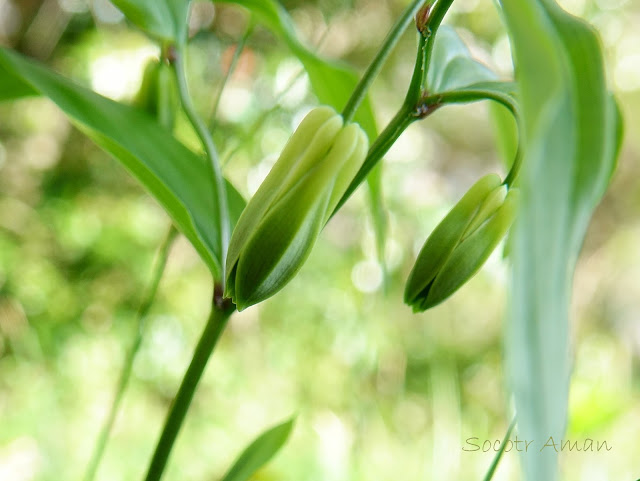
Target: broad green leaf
<point>451,66</point>
<point>570,132</point>
<point>332,82</point>
<point>163,19</point>
<point>458,78</point>
<point>174,175</point>
<point>259,452</point>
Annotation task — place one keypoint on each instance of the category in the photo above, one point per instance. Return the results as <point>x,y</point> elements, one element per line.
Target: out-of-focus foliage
<point>571,135</point>
<point>380,393</point>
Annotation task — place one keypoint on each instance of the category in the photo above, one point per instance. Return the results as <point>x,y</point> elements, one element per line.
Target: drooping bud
<point>461,243</point>
<point>158,93</point>
<point>281,222</point>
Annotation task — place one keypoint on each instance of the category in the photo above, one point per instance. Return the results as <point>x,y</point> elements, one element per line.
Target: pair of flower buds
<point>280,224</point>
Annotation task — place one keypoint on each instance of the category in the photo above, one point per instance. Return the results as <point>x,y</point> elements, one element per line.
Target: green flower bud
<point>461,243</point>
<point>158,93</point>
<point>281,222</point>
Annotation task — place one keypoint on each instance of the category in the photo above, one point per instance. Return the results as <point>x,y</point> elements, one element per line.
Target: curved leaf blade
<point>162,19</point>
<point>259,452</point>
<point>174,175</point>
<point>567,164</point>
<point>451,66</point>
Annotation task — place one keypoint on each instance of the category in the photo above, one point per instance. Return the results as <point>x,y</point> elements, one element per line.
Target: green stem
<point>515,169</point>
<point>414,92</point>
<point>220,194</point>
<point>496,459</point>
<point>468,96</point>
<point>374,68</point>
<point>125,375</point>
<point>221,310</point>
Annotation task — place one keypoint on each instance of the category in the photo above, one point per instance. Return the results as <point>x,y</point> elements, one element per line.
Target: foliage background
<point>380,393</point>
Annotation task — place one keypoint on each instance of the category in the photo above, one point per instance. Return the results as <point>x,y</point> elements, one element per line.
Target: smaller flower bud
<point>158,93</point>
<point>459,246</point>
<point>281,222</point>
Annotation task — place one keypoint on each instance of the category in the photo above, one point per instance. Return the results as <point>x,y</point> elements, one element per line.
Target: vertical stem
<point>374,68</point>
<point>221,310</point>
<point>414,92</point>
<point>515,169</point>
<point>158,270</point>
<point>220,194</point>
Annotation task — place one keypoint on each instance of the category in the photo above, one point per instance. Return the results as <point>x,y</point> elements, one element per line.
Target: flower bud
<point>281,222</point>
<point>461,243</point>
<point>158,93</point>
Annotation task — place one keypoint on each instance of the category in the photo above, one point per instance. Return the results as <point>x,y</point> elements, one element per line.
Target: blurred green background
<point>379,393</point>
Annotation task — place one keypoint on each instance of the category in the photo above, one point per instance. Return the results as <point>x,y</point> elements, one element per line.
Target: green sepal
<point>283,220</point>
<point>271,187</point>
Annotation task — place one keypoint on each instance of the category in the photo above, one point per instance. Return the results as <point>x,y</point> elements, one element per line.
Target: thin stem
<point>221,310</point>
<point>125,375</point>
<point>220,194</point>
<point>374,68</point>
<point>515,169</point>
<point>496,459</point>
<point>232,66</point>
<point>467,96</point>
<point>414,92</point>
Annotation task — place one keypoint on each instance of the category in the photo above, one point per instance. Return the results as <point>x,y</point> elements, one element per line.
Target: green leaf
<point>13,87</point>
<point>174,175</point>
<point>455,77</point>
<point>332,82</point>
<point>163,19</point>
<point>451,66</point>
<point>571,131</point>
<point>259,452</point>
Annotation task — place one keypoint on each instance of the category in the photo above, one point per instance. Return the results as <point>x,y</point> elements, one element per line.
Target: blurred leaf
<point>174,175</point>
<point>333,83</point>
<point>13,87</point>
<point>451,66</point>
<point>162,19</point>
<point>259,452</point>
<point>570,134</point>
